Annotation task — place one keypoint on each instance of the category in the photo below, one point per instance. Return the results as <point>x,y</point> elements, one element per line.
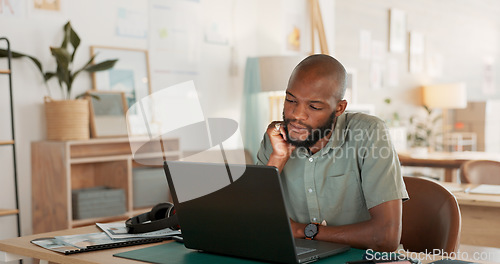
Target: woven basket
<point>67,119</point>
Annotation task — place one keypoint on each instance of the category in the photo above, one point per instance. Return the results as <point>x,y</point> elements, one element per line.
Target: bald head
<point>324,68</point>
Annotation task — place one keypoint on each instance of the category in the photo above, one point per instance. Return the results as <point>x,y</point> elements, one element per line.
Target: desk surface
<point>463,198</point>
<point>450,161</point>
<point>22,246</point>
<point>444,159</point>
<point>463,155</point>
<point>480,214</point>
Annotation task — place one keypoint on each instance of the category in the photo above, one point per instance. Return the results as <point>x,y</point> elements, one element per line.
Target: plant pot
<point>67,119</point>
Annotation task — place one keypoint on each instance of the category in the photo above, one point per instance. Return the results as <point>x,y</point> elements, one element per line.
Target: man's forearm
<point>360,235</point>
<point>381,233</point>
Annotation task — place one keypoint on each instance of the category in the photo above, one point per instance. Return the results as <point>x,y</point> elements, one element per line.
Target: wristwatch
<point>311,230</point>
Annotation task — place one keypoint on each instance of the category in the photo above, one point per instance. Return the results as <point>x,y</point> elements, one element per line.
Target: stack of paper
<point>486,189</point>
<point>118,230</point>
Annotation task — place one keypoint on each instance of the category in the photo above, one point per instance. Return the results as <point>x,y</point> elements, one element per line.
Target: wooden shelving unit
<point>4,212</point>
<point>58,167</point>
<point>11,142</point>
<point>6,142</point>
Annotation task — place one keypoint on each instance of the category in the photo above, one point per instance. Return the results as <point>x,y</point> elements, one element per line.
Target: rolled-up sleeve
<point>381,176</point>
<point>265,151</point>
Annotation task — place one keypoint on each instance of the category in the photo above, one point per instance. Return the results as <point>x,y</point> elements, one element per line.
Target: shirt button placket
<point>312,200</point>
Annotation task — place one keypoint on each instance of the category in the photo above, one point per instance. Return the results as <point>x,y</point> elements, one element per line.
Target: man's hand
<point>281,149</point>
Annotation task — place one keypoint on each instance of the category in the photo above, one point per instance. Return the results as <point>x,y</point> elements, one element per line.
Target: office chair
<point>480,172</point>
<point>431,217</point>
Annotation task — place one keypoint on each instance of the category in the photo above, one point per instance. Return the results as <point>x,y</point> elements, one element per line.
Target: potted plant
<point>423,131</point>
<point>67,118</point>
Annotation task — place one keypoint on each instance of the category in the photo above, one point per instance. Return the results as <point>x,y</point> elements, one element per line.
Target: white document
<point>118,230</point>
<point>486,189</point>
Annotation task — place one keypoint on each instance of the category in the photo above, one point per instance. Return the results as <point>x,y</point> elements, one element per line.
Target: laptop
<point>238,216</point>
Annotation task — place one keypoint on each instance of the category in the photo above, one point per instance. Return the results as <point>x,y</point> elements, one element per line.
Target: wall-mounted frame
<point>51,5</point>
<point>416,53</point>
<point>397,30</point>
<point>107,114</point>
<point>129,75</point>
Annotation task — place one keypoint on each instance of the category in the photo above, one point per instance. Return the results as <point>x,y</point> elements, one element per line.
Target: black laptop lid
<point>239,219</point>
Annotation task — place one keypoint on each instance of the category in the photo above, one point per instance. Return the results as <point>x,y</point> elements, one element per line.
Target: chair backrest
<point>480,172</point>
<point>431,217</point>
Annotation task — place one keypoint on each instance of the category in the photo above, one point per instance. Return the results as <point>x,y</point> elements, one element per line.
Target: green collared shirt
<point>357,170</point>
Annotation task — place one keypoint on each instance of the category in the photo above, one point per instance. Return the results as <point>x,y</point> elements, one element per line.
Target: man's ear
<point>341,106</point>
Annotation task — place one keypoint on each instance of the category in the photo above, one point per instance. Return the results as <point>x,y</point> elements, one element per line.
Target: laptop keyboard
<point>303,250</point>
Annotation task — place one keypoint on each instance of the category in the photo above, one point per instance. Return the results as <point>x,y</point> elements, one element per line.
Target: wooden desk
<point>480,216</point>
<point>449,161</point>
<point>12,249</point>
<point>16,248</point>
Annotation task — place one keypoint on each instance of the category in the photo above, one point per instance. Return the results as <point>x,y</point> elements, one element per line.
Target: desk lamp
<point>445,96</point>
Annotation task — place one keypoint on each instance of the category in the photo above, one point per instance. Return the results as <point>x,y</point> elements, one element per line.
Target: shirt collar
<point>338,135</point>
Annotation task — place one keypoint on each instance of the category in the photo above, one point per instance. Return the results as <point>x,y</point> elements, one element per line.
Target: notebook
<point>241,216</point>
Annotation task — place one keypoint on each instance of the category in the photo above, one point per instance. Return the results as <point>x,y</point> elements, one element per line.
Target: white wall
<point>253,29</point>
<point>470,32</point>
<point>463,33</point>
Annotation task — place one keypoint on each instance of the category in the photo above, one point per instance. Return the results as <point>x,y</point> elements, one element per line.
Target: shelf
<point>4,212</point>
<point>11,140</point>
<point>99,159</point>
<point>168,155</point>
<point>6,142</point>
<point>108,219</point>
<point>58,167</point>
<point>90,221</point>
<point>138,211</point>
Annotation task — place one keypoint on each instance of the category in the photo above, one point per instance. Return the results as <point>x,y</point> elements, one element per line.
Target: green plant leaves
<point>437,118</point>
<point>64,57</point>
<point>424,129</point>
<point>429,111</point>
<point>71,36</point>
<point>105,65</point>
<point>4,54</point>
<point>49,75</point>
